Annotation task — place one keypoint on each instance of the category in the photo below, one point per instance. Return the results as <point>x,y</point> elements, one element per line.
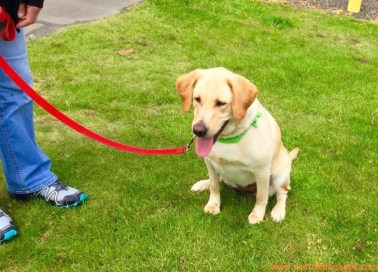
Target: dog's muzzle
<point>200,130</point>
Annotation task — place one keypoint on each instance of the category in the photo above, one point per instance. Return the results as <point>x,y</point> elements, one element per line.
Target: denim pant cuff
<point>40,186</point>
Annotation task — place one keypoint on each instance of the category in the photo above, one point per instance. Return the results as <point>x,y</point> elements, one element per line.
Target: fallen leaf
<point>90,112</point>
<point>337,11</point>
<point>127,52</point>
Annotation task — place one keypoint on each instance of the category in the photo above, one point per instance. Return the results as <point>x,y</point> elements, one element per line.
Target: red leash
<point>9,30</point>
<point>76,126</point>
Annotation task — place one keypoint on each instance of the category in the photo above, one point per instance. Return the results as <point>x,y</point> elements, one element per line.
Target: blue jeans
<point>26,167</point>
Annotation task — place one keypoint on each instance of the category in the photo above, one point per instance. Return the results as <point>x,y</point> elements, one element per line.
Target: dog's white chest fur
<point>234,168</point>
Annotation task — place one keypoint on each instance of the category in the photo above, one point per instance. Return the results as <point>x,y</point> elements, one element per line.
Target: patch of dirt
<point>368,11</point>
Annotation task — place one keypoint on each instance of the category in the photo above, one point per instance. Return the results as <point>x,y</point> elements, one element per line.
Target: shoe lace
<point>53,195</point>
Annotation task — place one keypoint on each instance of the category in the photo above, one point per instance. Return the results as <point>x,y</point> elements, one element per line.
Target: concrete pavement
<point>60,13</point>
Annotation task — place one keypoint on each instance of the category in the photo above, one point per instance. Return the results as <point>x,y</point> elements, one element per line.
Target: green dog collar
<point>237,138</point>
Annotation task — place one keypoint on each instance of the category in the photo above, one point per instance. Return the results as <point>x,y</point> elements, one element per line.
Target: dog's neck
<point>235,127</point>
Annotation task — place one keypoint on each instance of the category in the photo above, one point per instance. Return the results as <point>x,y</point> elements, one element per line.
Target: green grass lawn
<point>317,75</point>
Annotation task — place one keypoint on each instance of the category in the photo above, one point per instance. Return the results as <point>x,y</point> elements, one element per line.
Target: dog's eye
<point>219,103</point>
<point>197,99</point>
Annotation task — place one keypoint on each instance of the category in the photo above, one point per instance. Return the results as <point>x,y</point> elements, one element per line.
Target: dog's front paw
<point>255,217</point>
<point>201,185</point>
<point>212,208</point>
<point>278,214</point>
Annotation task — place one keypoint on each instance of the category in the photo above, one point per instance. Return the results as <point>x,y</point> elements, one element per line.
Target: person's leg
<point>26,167</point>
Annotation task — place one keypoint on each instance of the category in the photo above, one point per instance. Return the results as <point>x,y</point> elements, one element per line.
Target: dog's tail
<point>294,153</point>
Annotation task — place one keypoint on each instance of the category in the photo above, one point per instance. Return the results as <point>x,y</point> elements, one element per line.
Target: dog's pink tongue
<point>204,146</point>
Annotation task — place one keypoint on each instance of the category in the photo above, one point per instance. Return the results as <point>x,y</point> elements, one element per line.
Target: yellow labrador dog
<point>238,138</point>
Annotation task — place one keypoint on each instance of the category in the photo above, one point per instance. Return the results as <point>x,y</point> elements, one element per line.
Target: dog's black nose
<point>199,129</point>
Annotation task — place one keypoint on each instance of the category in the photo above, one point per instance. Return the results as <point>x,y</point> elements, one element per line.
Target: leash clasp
<point>190,143</point>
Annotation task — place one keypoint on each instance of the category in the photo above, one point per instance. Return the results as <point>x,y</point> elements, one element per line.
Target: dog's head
<point>218,96</point>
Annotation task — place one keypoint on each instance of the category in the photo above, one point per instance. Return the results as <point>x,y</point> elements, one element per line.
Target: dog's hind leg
<point>201,185</point>
<point>281,185</point>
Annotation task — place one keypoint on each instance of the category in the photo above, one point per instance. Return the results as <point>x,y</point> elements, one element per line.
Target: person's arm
<point>28,12</point>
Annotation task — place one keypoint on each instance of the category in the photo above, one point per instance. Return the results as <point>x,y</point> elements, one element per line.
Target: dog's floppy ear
<point>185,85</point>
<point>244,93</point>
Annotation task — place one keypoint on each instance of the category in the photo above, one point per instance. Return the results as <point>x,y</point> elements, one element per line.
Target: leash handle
<point>76,126</point>
<point>9,29</point>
